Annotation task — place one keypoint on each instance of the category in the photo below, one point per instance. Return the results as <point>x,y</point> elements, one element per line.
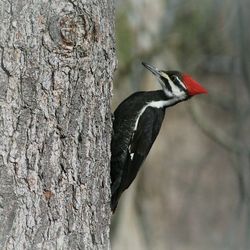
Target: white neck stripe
<point>155,104</point>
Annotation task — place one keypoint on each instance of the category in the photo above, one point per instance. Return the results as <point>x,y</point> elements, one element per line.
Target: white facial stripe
<point>166,91</point>
<point>176,91</point>
<point>181,83</point>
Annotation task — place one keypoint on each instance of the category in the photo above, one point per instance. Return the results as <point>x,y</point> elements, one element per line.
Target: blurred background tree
<point>193,192</point>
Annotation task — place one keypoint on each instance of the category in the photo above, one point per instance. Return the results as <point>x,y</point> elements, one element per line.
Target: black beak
<point>163,81</point>
<point>154,70</point>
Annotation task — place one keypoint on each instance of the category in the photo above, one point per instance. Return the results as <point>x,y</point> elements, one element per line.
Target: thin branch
<point>218,135</point>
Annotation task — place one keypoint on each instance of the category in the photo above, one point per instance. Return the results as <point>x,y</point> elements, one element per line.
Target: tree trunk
<point>57,62</point>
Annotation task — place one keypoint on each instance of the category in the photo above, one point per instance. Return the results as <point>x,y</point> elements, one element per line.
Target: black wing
<point>141,142</point>
<point>143,138</point>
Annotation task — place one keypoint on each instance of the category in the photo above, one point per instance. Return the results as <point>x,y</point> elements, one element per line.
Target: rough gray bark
<point>57,62</point>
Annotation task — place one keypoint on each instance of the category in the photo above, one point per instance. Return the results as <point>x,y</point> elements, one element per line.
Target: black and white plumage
<point>137,122</point>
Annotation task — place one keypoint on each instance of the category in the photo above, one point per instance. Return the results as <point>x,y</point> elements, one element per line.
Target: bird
<point>137,121</point>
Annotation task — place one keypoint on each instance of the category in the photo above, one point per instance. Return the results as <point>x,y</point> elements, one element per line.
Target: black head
<point>176,84</point>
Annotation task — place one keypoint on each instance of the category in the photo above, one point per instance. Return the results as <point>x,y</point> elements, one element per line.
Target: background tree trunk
<point>57,62</point>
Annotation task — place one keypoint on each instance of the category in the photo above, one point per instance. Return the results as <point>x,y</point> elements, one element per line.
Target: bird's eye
<point>174,78</point>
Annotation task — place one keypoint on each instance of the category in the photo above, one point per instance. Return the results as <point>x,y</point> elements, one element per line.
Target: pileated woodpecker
<point>137,122</point>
